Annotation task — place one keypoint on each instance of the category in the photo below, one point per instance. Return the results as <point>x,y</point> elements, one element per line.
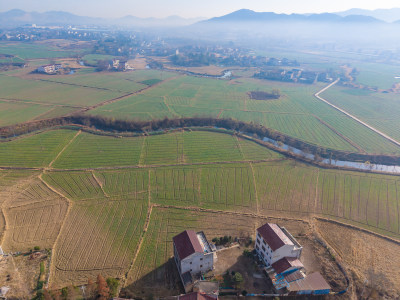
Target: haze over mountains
<point>387,15</point>
<point>18,17</point>
<point>246,15</point>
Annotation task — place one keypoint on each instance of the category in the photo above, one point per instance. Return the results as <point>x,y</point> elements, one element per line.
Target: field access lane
<point>317,95</point>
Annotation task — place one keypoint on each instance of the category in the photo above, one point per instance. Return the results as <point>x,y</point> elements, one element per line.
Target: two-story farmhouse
<point>274,243</point>
<point>193,255</point>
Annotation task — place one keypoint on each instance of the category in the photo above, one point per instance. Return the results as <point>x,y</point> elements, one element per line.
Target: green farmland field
<point>295,114</point>
<point>34,50</point>
<point>36,150</point>
<point>377,109</point>
<point>160,182</point>
<point>228,180</point>
<point>381,76</point>
<point>91,151</point>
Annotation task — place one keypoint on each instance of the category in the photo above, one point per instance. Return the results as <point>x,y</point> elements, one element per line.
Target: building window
<point>257,247</point>
<point>258,234</point>
<point>190,262</point>
<point>201,258</point>
<point>201,266</point>
<point>264,242</point>
<point>258,241</point>
<point>263,248</point>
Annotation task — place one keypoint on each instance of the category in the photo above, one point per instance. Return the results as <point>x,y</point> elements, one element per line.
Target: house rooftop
<point>286,263</point>
<point>275,236</point>
<point>187,243</point>
<point>313,282</point>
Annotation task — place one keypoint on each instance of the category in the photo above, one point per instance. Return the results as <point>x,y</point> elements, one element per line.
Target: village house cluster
<point>49,69</point>
<point>276,248</point>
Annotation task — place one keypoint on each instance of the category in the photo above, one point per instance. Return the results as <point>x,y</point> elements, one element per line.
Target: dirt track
<point>317,95</point>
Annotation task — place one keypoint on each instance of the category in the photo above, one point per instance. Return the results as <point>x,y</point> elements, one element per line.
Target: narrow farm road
<point>317,95</point>
<point>65,147</point>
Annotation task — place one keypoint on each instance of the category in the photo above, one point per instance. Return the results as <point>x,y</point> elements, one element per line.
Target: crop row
<point>90,151</point>
<point>100,236</point>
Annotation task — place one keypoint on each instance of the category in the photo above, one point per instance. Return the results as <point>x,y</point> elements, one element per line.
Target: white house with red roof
<point>193,255</point>
<point>273,243</point>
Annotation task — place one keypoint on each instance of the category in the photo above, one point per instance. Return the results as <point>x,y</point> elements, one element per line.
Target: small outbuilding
<point>313,284</point>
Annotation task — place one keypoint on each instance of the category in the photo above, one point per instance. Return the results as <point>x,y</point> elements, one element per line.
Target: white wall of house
<point>197,263</point>
<point>269,256</point>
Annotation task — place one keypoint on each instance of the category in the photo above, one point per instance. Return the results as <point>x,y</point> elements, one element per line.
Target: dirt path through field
<point>65,147</point>
<point>22,284</point>
<point>70,204</point>
<point>317,95</point>
<point>146,226</point>
<point>138,92</point>
<point>143,166</point>
<point>341,135</point>
<point>100,184</point>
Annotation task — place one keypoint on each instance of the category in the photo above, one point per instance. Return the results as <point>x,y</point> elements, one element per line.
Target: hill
<point>17,17</point>
<point>387,15</point>
<point>246,15</point>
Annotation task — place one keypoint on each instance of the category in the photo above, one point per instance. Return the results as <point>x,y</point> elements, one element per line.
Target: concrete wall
<point>197,263</point>
<point>270,256</point>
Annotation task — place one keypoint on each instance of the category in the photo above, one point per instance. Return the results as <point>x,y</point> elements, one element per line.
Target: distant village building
<point>274,243</point>
<point>119,65</point>
<point>49,69</point>
<point>193,256</point>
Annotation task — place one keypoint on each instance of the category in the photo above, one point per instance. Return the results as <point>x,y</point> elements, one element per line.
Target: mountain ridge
<point>247,15</point>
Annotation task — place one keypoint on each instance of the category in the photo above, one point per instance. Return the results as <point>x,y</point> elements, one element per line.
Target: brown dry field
<point>374,260</point>
<point>139,63</point>
<point>210,70</point>
<point>65,44</point>
<point>33,214</point>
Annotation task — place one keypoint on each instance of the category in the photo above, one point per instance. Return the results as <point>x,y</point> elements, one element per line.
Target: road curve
<point>317,95</point>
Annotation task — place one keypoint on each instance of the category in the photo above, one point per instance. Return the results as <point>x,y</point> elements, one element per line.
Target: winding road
<point>317,95</point>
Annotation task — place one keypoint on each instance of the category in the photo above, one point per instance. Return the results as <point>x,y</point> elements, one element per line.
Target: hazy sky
<point>189,8</point>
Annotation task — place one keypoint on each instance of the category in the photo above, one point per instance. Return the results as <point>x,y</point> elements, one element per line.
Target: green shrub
<point>113,284</point>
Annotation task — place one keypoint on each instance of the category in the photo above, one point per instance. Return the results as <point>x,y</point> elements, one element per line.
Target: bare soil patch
<point>138,63</point>
<point>20,274</point>
<point>233,260</point>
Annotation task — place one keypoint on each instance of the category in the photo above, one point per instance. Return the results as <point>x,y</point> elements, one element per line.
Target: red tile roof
<point>274,236</point>
<point>286,263</point>
<point>196,296</point>
<point>313,282</point>
<point>187,243</point>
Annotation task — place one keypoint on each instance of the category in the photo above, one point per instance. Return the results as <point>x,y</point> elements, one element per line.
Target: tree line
<point>113,125</point>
